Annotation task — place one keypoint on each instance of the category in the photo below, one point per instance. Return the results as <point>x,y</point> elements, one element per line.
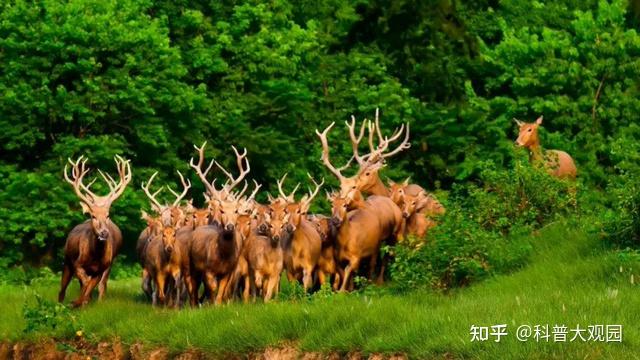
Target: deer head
<point>396,191</point>
<point>201,217</point>
<point>370,163</point>
<point>528,133</point>
<point>154,224</point>
<point>168,238</point>
<point>98,206</point>
<point>169,214</point>
<point>339,207</point>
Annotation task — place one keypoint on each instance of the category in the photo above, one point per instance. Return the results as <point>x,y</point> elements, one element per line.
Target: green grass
<point>571,280</point>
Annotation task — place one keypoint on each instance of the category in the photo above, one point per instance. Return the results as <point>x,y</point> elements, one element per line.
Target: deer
<point>215,248</point>
<point>261,262</point>
<point>418,208</point>
<point>92,246</point>
<point>164,258</point>
<point>557,162</point>
<point>154,227</point>
<point>388,222</point>
<point>327,262</point>
<point>360,234</point>
<point>300,240</point>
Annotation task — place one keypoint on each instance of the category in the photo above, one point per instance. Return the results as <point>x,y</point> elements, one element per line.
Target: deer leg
<point>336,281</point>
<point>146,284</point>
<point>160,282</point>
<point>66,278</point>
<point>84,284</point>
<point>272,285</point>
<point>224,281</point>
<point>351,267</point>
<point>192,288</point>
<point>307,278</point>
<point>321,277</point>
<point>102,287</point>
<point>88,287</point>
<point>211,284</point>
<point>372,265</point>
<point>177,280</point>
<point>383,265</point>
<point>246,291</point>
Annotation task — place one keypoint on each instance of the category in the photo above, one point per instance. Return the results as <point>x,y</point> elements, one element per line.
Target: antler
<point>211,189</point>
<point>186,185</point>
<point>255,191</point>
<point>378,154</point>
<point>306,201</point>
<point>124,172</point>
<point>355,141</point>
<point>325,153</point>
<point>240,158</point>
<point>152,197</point>
<point>78,171</point>
<point>290,198</point>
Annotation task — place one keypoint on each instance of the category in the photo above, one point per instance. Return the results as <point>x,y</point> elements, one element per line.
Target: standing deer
<point>558,163</point>
<point>388,217</point>
<point>418,208</point>
<point>165,258</point>
<point>299,237</point>
<point>215,248</point>
<point>92,246</point>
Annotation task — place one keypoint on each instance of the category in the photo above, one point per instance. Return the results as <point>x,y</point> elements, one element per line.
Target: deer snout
<point>336,222</point>
<point>262,229</point>
<point>276,237</point>
<point>405,214</point>
<point>230,227</point>
<point>168,249</point>
<point>103,235</point>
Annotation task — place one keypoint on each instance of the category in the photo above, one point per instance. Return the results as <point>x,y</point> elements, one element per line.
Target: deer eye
<point>529,130</point>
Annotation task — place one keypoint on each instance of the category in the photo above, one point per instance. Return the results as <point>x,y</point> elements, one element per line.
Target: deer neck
<point>379,188</point>
<point>536,152</point>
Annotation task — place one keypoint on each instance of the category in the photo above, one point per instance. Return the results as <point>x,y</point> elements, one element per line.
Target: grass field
<point>571,280</point>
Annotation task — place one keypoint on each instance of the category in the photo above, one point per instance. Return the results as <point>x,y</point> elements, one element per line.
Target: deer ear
<point>518,122</point>
<point>406,181</point>
<point>85,208</point>
<point>539,120</point>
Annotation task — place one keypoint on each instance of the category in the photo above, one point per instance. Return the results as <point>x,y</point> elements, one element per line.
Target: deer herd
<point>234,246</point>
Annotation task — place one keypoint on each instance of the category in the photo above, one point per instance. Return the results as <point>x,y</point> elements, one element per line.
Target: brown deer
<point>418,208</point>
<point>360,234</point>
<point>154,227</point>
<point>300,240</point>
<point>558,163</point>
<point>327,262</point>
<point>388,215</point>
<point>163,257</point>
<point>215,248</point>
<point>92,246</point>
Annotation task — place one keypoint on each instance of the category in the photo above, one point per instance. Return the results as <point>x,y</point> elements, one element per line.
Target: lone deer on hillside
<point>92,246</point>
<point>558,163</point>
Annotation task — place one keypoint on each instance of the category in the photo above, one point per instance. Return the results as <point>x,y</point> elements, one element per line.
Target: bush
<point>457,252</point>
<point>524,197</point>
<point>621,221</point>
<point>49,317</point>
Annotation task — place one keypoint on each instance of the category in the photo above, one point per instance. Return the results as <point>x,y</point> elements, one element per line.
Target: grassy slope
<point>570,280</point>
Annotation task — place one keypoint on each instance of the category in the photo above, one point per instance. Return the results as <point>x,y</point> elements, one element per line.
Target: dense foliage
<point>148,79</point>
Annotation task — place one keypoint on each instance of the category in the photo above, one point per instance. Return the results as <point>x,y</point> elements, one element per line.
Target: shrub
<point>621,221</point>
<point>522,197</point>
<point>457,252</point>
<point>48,317</point>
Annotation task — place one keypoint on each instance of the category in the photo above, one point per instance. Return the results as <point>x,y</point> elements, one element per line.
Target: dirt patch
<point>80,349</point>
